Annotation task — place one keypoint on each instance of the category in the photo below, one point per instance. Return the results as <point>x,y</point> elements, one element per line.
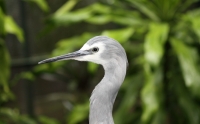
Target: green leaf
<point>151,93</point>
<point>190,106</point>
<point>196,26</point>
<point>47,120</point>
<point>188,58</point>
<point>100,19</point>
<point>143,6</point>
<point>66,7</point>
<point>194,18</point>
<point>102,14</point>
<point>27,75</point>
<point>99,8</point>
<point>130,94</point>
<point>2,28</point>
<point>192,110</point>
<point>79,113</point>
<point>70,18</point>
<point>41,3</point>
<point>149,100</point>
<point>5,93</point>
<point>154,42</point>
<point>121,35</point>
<point>13,115</point>
<point>13,28</point>
<point>159,117</point>
<point>128,21</point>
<point>5,72</point>
<point>92,67</point>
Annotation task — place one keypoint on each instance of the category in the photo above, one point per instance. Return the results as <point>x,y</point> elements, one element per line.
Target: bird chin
<point>80,58</point>
<point>85,60</point>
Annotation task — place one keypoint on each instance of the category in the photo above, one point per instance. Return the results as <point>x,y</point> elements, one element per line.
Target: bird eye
<point>95,49</point>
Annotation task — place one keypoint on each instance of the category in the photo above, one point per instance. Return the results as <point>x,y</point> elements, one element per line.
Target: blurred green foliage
<point>10,115</point>
<point>7,25</point>
<point>162,41</point>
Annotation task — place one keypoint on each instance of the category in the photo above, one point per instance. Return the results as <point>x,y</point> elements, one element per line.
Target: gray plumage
<point>112,56</point>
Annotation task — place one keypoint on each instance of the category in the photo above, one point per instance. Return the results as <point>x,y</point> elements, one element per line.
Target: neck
<point>104,94</point>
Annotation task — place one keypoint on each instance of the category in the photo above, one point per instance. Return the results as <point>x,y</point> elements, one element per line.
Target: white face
<point>96,56</point>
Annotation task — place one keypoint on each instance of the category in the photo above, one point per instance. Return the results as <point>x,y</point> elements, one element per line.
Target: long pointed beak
<point>73,55</point>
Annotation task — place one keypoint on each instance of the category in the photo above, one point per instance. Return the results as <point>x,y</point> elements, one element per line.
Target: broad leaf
<point>4,63</point>
<point>144,7</point>
<point>188,59</point>
<point>79,113</point>
<point>2,28</point>
<point>92,67</point>
<point>13,28</point>
<point>151,94</point>
<point>41,3</point>
<point>66,7</point>
<point>190,107</point>
<point>121,35</point>
<point>154,42</point>
<point>130,88</point>
<point>4,73</point>
<point>194,18</point>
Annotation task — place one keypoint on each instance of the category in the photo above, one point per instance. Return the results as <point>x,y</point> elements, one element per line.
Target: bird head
<point>99,49</point>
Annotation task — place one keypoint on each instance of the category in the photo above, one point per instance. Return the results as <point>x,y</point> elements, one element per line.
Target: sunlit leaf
<point>27,75</point>
<point>188,59</point>
<point>92,67</point>
<point>99,8</point>
<point>130,88</point>
<point>194,17</point>
<point>151,93</point>
<point>143,7</point>
<point>150,101</point>
<point>79,113</point>
<point>13,28</point>
<point>47,120</point>
<point>154,42</point>
<point>2,28</point>
<point>99,19</point>
<point>129,21</point>
<point>66,7</point>
<point>70,18</point>
<point>120,35</point>
<point>41,3</point>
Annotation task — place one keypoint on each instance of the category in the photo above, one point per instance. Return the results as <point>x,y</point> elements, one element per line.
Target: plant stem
<point>166,92</point>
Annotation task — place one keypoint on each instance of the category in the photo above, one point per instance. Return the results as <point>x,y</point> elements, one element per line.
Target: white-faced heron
<point>112,56</point>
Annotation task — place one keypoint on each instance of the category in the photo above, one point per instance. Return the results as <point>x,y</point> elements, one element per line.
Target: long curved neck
<point>104,94</point>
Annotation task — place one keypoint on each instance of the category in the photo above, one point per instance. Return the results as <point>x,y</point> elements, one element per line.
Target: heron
<point>111,55</point>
